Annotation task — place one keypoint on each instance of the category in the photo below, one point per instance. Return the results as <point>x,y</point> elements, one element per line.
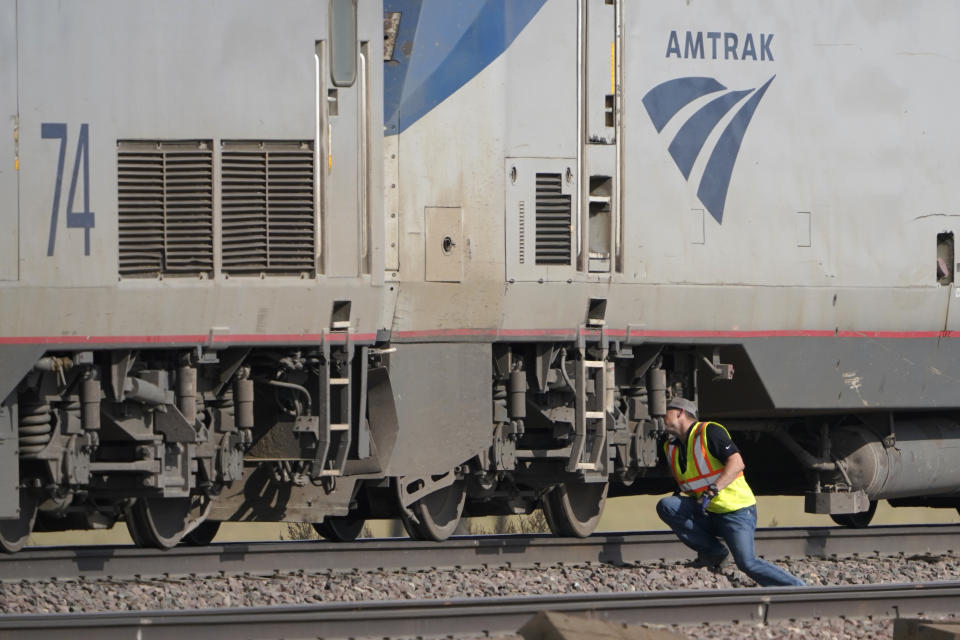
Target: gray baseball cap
<point>684,404</point>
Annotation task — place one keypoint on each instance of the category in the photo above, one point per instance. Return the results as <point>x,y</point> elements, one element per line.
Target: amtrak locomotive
<point>329,260</point>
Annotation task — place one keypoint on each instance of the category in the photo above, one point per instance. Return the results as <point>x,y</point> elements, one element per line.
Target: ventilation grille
<point>553,221</point>
<point>165,205</point>
<point>268,208</point>
<point>522,231</point>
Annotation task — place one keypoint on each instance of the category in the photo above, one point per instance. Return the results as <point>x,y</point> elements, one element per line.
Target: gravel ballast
<point>301,588</point>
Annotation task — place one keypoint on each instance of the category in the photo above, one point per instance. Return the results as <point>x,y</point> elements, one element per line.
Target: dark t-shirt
<point>718,443</point>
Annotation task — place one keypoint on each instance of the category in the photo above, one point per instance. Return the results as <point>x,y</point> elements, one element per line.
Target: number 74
<point>82,219</point>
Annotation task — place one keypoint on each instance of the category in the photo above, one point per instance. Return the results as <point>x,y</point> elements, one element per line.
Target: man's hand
<point>708,494</point>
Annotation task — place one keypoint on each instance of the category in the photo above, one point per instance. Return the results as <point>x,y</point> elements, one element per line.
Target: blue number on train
<point>82,219</point>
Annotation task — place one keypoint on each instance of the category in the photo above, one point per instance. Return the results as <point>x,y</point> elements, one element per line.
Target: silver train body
<point>333,260</point>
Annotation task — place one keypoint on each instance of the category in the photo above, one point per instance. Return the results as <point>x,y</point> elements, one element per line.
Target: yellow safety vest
<point>703,469</point>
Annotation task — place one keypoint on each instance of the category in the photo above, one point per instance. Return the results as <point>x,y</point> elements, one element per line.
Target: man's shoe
<point>709,562</point>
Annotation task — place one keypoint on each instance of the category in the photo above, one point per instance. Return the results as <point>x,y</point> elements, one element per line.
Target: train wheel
<point>14,533</point>
<point>855,520</point>
<point>135,535</point>
<point>159,522</point>
<point>436,516</point>
<point>573,509</point>
<point>203,534</point>
<point>340,528</point>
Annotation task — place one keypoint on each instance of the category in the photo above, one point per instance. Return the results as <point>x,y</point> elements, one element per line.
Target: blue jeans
<point>701,532</point>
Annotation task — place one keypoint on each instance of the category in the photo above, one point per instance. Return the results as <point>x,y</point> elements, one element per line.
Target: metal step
<point>588,447</point>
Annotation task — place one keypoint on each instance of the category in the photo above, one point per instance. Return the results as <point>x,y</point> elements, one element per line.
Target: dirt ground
<point>621,514</point>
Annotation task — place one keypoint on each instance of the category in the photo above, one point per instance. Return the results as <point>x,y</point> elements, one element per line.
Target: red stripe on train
<point>468,333</point>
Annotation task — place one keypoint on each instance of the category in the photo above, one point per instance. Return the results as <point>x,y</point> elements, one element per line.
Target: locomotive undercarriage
<point>572,422</point>
<point>146,436</point>
<point>174,441</point>
<point>842,464</point>
<point>158,438</point>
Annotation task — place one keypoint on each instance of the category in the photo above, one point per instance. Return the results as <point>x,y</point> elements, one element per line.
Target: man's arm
<point>731,469</point>
<point>724,449</point>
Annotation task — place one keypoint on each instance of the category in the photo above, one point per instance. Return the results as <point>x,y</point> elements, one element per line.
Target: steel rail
<point>479,616</point>
<point>266,558</point>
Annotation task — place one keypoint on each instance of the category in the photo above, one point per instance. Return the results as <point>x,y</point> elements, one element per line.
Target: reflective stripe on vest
<point>706,474</point>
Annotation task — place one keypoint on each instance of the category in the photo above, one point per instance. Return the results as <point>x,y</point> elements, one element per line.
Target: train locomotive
<point>331,260</point>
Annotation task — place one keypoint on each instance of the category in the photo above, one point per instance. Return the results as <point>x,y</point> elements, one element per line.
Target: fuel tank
<point>921,461</point>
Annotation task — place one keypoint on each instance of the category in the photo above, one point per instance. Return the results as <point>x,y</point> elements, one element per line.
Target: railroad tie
<point>550,625</point>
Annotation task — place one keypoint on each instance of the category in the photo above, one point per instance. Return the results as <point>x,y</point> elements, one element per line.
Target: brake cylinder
<point>244,400</point>
<point>90,399</point>
<point>518,394</point>
<point>657,383</point>
<point>187,393</point>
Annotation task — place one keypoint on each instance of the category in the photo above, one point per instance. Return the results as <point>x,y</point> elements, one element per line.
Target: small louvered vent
<point>553,220</point>
<point>165,204</point>
<point>268,208</point>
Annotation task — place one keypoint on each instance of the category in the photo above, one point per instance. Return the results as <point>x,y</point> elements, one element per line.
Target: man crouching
<point>714,500</point>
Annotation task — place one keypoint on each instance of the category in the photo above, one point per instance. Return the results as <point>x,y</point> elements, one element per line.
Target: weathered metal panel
<point>259,497</point>
<point>843,116</point>
<point>391,203</point>
<point>444,244</point>
<point>15,362</point>
<point>109,70</point>
<point>829,215</point>
<point>9,463</point>
<point>599,64</point>
<point>540,109</point>
<point>444,406</point>
<point>9,132</point>
<point>342,176</point>
<point>153,310</point>
<point>803,186</point>
<point>106,71</point>
<point>858,373</point>
<point>446,308</point>
<point>452,155</point>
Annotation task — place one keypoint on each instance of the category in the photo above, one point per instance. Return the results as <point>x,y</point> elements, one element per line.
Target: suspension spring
<point>36,428</point>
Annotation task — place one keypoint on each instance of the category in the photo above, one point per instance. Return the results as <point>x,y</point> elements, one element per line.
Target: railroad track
<point>465,552</point>
<point>480,616</point>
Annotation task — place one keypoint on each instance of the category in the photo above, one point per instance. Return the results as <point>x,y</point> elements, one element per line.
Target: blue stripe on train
<point>440,46</point>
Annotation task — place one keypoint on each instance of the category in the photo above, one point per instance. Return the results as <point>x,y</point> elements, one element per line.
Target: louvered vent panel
<point>553,221</point>
<point>165,203</point>
<point>268,208</point>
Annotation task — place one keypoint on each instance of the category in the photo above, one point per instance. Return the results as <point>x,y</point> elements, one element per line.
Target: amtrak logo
<point>665,100</point>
